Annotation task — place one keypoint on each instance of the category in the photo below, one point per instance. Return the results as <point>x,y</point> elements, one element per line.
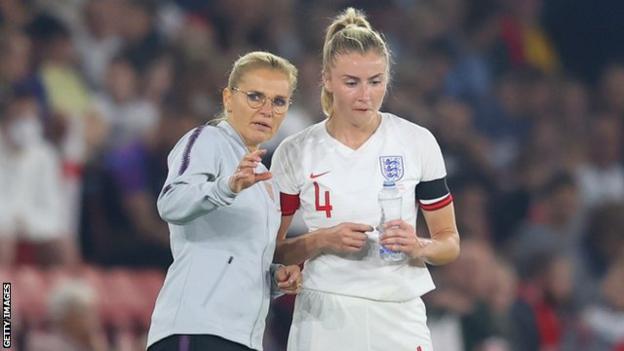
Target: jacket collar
<point>229,130</point>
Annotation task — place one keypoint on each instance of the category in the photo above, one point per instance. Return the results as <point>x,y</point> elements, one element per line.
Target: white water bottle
<point>391,203</point>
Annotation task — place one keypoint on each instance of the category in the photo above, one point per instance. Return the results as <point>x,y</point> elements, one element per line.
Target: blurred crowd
<point>94,94</point>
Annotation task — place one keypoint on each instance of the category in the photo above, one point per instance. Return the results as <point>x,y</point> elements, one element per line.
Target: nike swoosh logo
<point>312,175</point>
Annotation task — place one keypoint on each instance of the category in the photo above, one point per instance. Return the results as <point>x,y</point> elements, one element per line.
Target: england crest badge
<point>391,167</point>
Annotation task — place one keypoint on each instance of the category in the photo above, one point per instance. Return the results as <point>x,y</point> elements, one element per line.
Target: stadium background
<point>525,97</point>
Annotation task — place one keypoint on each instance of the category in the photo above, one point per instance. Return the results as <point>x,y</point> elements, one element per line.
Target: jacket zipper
<point>218,280</point>
<point>251,336</point>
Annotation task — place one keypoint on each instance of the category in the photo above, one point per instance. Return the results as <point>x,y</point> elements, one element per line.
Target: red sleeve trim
<point>289,204</point>
<point>437,205</point>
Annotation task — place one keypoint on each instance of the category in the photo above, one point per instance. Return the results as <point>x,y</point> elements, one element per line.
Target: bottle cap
<point>388,183</point>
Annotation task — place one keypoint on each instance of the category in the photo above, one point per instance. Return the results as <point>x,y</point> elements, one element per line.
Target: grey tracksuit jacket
<point>221,279</point>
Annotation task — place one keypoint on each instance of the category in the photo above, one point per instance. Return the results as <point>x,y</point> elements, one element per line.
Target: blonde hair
<point>349,32</point>
<point>256,60</point>
<point>69,295</point>
<point>262,59</point>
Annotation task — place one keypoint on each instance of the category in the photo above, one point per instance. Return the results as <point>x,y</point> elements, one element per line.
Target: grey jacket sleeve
<point>195,184</point>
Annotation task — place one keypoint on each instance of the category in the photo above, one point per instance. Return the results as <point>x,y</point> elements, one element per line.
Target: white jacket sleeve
<point>195,183</point>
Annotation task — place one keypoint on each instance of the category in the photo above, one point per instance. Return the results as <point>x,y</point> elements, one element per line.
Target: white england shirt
<point>332,183</point>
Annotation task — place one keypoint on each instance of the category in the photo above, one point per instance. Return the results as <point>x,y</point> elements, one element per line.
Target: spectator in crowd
<point>143,42</point>
<point>542,316</point>
<point>17,54</point>
<point>129,118</point>
<point>611,88</point>
<point>601,177</point>
<point>31,198</point>
<point>555,222</point>
<point>74,320</point>
<point>462,317</point>
<point>605,318</point>
<point>601,246</point>
<point>97,39</point>
<point>125,183</point>
<point>69,105</point>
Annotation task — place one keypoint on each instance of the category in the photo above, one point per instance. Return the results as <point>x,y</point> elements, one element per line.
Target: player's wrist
<point>319,241</point>
<point>421,251</point>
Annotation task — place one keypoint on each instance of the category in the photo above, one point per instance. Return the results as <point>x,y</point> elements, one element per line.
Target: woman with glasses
<point>362,289</point>
<point>223,218</point>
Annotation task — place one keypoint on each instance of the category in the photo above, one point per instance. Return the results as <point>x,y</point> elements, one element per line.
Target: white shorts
<point>326,322</point>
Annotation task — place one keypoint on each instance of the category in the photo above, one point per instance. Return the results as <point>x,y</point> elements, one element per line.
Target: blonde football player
<point>332,172</point>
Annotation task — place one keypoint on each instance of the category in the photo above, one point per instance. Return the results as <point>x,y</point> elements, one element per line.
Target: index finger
<point>395,223</point>
<point>361,227</point>
<point>258,152</point>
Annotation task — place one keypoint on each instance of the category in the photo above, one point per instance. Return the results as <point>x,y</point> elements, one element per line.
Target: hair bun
<point>349,18</point>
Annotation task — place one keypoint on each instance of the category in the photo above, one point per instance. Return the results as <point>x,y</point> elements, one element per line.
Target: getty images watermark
<point>6,315</point>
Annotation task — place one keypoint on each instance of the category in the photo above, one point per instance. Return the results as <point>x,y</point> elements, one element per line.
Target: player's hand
<point>288,279</point>
<point>401,236</point>
<point>245,175</point>
<point>346,237</point>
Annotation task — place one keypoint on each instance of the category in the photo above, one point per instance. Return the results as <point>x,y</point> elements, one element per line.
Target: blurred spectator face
<point>136,22</point>
<point>121,81</point>
<point>101,17</point>
<point>573,100</point>
<point>540,95</point>
<point>510,96</point>
<point>546,141</point>
<point>473,268</point>
<point>610,241</point>
<point>257,124</point>
<point>245,11</point>
<point>487,32</point>
<point>159,78</point>
<point>197,39</point>
<point>23,127</point>
<point>534,171</point>
<point>80,319</point>
<point>564,203</point>
<point>472,216</point>
<point>52,36</point>
<point>429,21</point>
<point>606,141</point>
<point>173,126</point>
<point>73,308</point>
<point>309,83</point>
<point>454,120</point>
<point>558,280</point>
<point>432,72</point>
<point>605,232</point>
<point>16,55</point>
<point>613,285</point>
<point>526,10</point>
<point>61,50</point>
<point>612,88</point>
<point>14,12</point>
<point>358,83</point>
<point>503,287</point>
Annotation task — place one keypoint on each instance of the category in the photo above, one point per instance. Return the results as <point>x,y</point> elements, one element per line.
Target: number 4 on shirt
<point>327,207</point>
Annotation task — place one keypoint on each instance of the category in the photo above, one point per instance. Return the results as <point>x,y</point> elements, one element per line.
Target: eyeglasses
<point>256,100</point>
